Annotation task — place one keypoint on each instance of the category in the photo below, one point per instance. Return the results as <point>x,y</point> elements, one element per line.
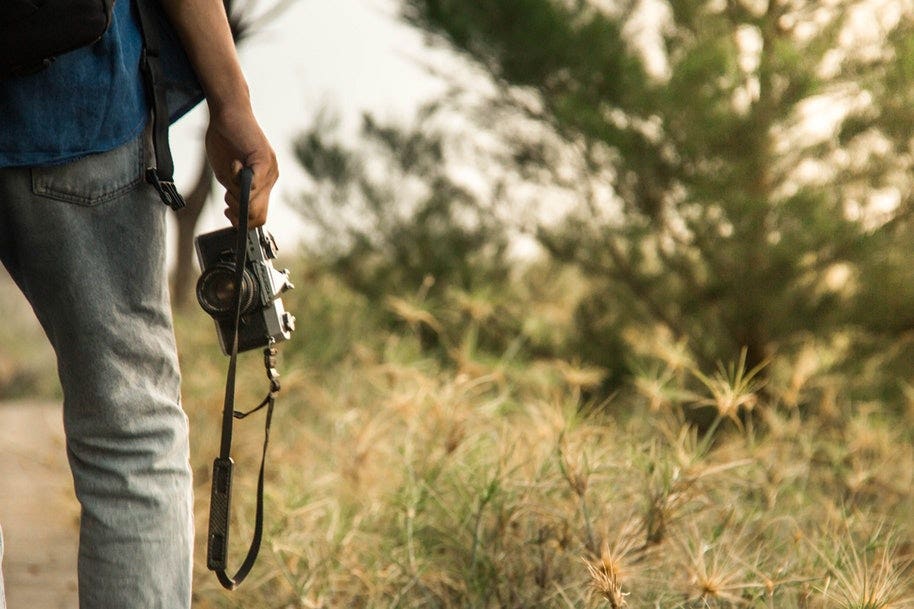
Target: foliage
<point>742,170</point>
<point>394,225</point>
<point>391,217</point>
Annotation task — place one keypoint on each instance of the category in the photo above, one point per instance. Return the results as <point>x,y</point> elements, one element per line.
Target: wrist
<point>229,99</point>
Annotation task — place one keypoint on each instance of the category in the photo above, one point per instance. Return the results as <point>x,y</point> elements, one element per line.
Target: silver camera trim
<point>271,283</point>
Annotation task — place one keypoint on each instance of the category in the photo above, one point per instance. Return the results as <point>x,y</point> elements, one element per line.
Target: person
<point>83,236</point>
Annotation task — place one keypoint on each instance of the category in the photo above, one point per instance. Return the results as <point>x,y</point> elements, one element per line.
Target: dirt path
<point>38,511</point>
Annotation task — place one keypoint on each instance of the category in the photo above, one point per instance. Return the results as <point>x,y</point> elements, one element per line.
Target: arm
<point>233,138</point>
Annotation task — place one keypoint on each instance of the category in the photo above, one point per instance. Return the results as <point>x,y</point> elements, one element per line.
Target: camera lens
<point>216,291</point>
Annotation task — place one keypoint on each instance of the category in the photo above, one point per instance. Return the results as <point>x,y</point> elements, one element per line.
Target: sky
<point>349,56</point>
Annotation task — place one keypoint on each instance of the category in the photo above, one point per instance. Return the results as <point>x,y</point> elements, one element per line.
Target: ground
<point>38,511</point>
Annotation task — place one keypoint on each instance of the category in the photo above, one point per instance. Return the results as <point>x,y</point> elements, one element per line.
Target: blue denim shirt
<point>89,100</point>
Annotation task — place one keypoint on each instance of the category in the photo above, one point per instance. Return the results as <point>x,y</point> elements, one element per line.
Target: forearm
<point>204,30</point>
<point>233,138</point>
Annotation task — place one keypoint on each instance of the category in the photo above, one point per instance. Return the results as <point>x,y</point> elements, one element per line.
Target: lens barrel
<point>216,291</point>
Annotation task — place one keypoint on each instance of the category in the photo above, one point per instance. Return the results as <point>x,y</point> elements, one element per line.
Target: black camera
<point>263,319</point>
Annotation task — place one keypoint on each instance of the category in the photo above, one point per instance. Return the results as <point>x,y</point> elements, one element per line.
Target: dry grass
<point>27,364</point>
<point>398,478</point>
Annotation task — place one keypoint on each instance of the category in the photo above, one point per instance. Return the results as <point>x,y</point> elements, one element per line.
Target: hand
<point>233,140</point>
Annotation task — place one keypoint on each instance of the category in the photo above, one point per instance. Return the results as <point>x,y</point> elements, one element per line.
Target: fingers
<point>265,176</point>
<point>236,141</point>
<point>257,207</point>
<point>259,183</point>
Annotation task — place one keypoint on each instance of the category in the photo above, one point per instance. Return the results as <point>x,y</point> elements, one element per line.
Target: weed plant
<point>400,478</point>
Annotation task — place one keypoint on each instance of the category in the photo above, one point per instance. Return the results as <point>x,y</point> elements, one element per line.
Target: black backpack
<point>34,32</point>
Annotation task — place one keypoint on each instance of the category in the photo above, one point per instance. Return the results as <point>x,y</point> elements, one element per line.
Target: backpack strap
<point>162,175</point>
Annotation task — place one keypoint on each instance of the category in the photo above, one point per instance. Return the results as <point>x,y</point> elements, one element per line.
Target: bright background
<point>344,56</point>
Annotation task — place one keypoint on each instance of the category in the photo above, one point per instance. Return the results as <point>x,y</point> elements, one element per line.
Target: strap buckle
<point>269,362</point>
<point>167,190</point>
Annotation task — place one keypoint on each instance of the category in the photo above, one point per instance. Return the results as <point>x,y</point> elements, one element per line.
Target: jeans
<point>85,242</point>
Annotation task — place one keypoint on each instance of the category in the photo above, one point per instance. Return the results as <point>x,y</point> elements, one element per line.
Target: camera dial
<point>216,291</point>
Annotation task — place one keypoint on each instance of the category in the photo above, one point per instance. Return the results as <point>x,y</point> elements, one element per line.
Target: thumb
<point>237,166</point>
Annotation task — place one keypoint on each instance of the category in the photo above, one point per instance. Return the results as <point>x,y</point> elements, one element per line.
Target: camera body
<point>264,320</point>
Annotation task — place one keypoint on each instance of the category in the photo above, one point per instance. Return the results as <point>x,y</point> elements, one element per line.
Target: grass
<point>27,365</point>
<point>403,478</point>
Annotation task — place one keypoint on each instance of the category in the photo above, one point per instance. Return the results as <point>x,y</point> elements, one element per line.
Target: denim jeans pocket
<point>93,179</point>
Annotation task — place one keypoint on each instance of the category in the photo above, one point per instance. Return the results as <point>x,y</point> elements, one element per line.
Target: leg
<point>85,242</point>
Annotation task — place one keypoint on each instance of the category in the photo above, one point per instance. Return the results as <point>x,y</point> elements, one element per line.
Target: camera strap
<point>221,495</point>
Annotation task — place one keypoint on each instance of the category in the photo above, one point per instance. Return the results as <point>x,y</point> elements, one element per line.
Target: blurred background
<point>600,303</point>
<point>303,58</point>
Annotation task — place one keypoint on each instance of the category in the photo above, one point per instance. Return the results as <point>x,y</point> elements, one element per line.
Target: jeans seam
<point>86,201</point>
<point>42,190</point>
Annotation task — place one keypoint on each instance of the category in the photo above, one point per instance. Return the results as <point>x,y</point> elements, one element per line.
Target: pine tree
<point>745,182</point>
